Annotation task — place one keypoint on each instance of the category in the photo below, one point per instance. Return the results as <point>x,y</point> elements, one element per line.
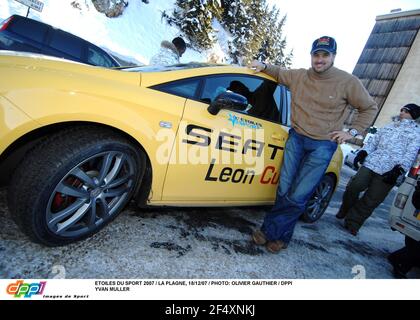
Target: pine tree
<point>243,19</point>
<point>237,21</point>
<point>274,44</point>
<point>194,18</point>
<point>256,29</point>
<point>258,12</point>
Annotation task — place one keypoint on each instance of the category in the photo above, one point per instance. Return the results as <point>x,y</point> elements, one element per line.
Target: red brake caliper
<point>61,200</point>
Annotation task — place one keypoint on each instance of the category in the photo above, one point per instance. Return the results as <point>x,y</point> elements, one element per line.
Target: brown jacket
<point>320,101</point>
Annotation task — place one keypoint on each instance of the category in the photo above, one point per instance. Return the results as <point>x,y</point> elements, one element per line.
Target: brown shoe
<point>275,246</point>
<point>340,215</point>
<point>259,238</point>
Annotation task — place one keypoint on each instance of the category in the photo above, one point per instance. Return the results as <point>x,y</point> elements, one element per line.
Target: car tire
<point>320,199</point>
<point>73,183</point>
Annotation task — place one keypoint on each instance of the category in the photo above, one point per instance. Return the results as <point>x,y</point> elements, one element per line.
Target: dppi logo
<point>27,290</point>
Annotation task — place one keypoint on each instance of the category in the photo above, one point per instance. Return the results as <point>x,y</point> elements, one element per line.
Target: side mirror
<point>228,101</point>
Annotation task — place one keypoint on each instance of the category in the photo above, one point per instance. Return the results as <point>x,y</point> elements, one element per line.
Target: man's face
<point>322,61</point>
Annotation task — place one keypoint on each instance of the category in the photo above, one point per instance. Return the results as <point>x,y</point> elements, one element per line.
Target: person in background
<point>385,157</point>
<point>169,52</point>
<point>320,97</point>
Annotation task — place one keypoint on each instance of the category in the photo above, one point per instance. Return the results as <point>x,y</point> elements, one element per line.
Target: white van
<point>403,216</point>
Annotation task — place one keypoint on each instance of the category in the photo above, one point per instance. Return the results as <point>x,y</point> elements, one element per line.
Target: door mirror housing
<point>229,101</point>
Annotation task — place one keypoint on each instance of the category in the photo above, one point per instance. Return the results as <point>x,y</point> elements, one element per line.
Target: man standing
<point>320,97</point>
<point>386,156</point>
<point>169,52</point>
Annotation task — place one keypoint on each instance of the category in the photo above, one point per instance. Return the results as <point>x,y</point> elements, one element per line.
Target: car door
<point>233,156</point>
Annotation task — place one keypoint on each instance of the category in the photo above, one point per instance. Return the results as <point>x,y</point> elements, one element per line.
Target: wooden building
<point>389,65</point>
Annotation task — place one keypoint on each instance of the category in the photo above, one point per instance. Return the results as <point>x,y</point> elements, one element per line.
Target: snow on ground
<point>136,34</point>
<point>207,243</point>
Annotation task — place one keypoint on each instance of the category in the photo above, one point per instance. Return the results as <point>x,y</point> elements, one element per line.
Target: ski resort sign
<point>33,4</point>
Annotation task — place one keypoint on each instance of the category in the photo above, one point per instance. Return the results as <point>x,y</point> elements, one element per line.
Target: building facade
<point>389,65</point>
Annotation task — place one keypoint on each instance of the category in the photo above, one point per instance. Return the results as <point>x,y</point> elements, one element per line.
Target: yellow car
<point>77,142</point>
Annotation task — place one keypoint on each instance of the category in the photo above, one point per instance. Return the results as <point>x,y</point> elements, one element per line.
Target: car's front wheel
<point>320,199</point>
<point>73,184</point>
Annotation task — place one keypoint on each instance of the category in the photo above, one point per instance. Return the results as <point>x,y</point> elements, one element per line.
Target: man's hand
<point>257,66</point>
<point>340,136</point>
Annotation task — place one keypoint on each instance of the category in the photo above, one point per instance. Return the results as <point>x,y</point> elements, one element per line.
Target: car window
<point>66,43</point>
<point>267,100</point>
<point>99,58</point>
<point>29,29</point>
<point>183,88</point>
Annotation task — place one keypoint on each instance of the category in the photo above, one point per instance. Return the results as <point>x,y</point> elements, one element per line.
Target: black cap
<point>324,43</point>
<point>180,44</point>
<point>413,110</point>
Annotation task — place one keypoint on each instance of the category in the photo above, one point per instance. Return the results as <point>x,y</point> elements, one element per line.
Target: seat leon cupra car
<point>78,142</point>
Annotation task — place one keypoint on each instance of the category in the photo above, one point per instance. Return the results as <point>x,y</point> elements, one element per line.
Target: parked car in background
<point>19,33</point>
<point>82,141</point>
<point>404,217</point>
<point>349,158</point>
<point>371,132</point>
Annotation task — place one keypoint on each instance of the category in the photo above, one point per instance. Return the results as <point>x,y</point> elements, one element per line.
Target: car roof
<point>148,75</point>
<point>152,75</point>
<point>16,16</point>
<point>180,66</point>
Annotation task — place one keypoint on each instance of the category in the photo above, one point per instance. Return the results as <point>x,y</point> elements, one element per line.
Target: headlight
<point>400,201</point>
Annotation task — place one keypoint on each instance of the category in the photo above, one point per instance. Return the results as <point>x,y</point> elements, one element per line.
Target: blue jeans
<point>304,164</point>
